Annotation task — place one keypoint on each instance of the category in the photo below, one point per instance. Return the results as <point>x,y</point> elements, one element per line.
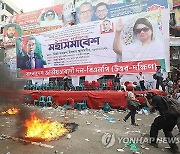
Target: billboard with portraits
<point>107,37</point>
<point>126,44</point>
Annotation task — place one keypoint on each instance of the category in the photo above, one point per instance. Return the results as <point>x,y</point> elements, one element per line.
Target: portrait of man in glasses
<point>101,11</point>
<point>49,18</point>
<point>143,46</point>
<point>85,12</point>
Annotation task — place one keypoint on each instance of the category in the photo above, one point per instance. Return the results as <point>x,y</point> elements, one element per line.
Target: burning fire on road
<point>46,130</point>
<point>11,111</point>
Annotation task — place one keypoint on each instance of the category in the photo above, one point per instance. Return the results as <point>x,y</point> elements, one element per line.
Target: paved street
<point>87,138</point>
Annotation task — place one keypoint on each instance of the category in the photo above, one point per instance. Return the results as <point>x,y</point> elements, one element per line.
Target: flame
<point>11,111</point>
<point>43,130</point>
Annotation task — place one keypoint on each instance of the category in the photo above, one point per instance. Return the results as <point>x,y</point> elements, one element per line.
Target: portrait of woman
<point>143,46</point>
<point>49,18</point>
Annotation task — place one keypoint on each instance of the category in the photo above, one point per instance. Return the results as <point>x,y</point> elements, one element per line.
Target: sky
<point>31,5</point>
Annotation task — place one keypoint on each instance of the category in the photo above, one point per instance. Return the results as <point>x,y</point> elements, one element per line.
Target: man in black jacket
<point>65,78</point>
<point>117,81</point>
<point>165,121</point>
<point>29,59</point>
<point>159,77</point>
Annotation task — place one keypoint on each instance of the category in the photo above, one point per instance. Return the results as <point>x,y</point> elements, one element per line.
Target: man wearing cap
<point>159,75</point>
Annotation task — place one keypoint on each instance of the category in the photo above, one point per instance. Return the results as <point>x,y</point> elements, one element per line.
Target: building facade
<point>175,41</point>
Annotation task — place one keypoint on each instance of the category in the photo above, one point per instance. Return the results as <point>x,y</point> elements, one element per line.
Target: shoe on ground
<point>154,145</point>
<point>124,120</point>
<point>135,124</point>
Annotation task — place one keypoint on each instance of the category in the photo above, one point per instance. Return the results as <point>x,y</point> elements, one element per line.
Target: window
<point>9,9</point>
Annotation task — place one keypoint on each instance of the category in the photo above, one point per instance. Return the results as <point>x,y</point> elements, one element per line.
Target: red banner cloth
<point>95,99</point>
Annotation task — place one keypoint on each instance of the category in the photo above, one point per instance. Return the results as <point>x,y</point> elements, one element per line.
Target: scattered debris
<point>96,126</point>
<point>112,112</point>
<point>68,136</point>
<point>144,147</point>
<point>129,132</point>
<point>98,131</point>
<point>27,141</point>
<point>88,123</point>
<point>133,147</point>
<point>120,150</point>
<point>110,119</point>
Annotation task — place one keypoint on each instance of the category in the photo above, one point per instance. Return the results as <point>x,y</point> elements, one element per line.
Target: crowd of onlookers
<point>172,88</point>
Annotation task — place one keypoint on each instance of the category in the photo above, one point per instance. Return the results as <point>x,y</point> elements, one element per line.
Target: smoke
<point>11,96</point>
<point>9,87</point>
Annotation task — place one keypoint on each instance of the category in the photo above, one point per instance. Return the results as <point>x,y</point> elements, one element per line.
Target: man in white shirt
<point>141,79</point>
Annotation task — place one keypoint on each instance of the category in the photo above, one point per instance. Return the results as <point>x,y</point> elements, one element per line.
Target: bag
<point>173,106</point>
<point>107,107</point>
<point>133,104</point>
<point>155,76</point>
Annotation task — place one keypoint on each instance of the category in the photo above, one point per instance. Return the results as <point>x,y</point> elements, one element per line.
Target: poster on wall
<point>35,22</point>
<point>10,59</point>
<point>177,16</point>
<point>87,11</point>
<point>69,11</point>
<point>107,43</point>
<point>176,3</point>
<point>10,32</point>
